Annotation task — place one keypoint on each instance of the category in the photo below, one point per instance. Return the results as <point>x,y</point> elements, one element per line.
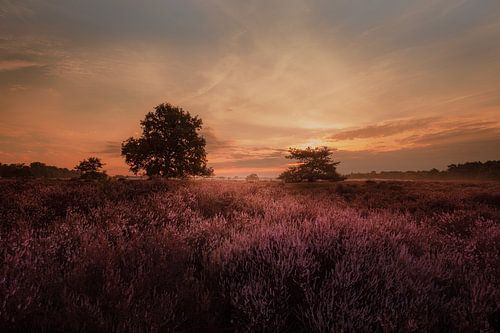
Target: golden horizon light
<point>391,85</point>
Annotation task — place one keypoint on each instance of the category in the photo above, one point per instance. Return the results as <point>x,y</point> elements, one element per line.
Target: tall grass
<point>245,257</point>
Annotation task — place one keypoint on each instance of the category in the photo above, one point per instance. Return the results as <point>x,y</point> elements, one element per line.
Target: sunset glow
<point>401,85</point>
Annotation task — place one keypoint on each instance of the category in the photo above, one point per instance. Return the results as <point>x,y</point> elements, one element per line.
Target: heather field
<point>208,256</point>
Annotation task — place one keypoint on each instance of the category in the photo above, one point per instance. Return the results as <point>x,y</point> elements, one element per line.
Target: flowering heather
<point>153,256</point>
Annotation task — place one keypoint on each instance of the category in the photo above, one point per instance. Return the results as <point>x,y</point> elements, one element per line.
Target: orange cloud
<point>9,65</point>
<point>385,78</point>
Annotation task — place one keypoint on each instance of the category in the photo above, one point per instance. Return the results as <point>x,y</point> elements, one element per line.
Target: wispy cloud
<point>11,65</point>
<point>17,9</point>
<point>383,129</point>
<point>450,136</point>
<point>110,148</point>
<point>380,76</point>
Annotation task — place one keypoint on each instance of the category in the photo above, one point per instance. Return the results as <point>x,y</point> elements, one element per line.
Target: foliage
<point>489,170</point>
<point>93,175</point>
<point>34,170</point>
<point>486,170</point>
<point>90,169</point>
<point>19,170</point>
<point>170,145</point>
<point>224,256</point>
<point>91,164</point>
<point>313,164</point>
<point>252,178</point>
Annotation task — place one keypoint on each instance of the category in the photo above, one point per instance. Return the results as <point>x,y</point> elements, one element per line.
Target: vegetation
<point>486,170</point>
<point>91,169</point>
<point>170,145</point>
<point>35,170</point>
<point>252,178</point>
<point>157,256</point>
<point>489,170</point>
<point>313,164</point>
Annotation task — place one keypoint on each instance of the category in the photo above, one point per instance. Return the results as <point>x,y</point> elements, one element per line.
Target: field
<point>158,256</point>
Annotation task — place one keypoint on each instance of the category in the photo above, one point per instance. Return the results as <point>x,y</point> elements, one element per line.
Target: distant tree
<point>19,170</point>
<point>91,168</point>
<point>170,145</point>
<point>312,164</point>
<point>252,178</point>
<point>38,165</point>
<point>40,170</point>
<point>489,170</point>
<point>91,164</point>
<point>475,170</point>
<point>35,170</point>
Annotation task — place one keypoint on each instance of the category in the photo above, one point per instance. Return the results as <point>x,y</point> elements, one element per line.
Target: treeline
<point>35,170</point>
<point>489,170</point>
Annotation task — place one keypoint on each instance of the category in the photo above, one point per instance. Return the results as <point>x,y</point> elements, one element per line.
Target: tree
<point>312,164</point>
<point>252,178</point>
<point>18,170</point>
<point>35,170</point>
<point>170,145</point>
<point>91,168</point>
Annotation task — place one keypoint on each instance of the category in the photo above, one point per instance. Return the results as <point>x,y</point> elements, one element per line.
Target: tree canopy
<point>486,170</point>
<point>35,170</point>
<point>489,170</point>
<point>253,177</point>
<point>91,168</point>
<point>312,164</point>
<point>170,145</point>
<point>91,164</point>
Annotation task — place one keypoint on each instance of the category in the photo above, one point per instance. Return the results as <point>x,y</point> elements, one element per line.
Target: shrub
<point>226,256</point>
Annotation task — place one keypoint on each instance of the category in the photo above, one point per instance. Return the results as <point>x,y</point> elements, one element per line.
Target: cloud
<point>410,133</point>
<point>383,129</point>
<point>230,152</point>
<point>16,9</point>
<point>466,133</point>
<point>419,158</point>
<point>363,76</point>
<point>11,65</point>
<point>214,142</point>
<point>110,148</point>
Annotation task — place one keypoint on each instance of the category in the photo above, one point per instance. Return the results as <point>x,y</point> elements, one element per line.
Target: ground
<point>236,256</point>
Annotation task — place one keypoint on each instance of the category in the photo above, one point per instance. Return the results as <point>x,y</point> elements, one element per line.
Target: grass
<point>153,256</point>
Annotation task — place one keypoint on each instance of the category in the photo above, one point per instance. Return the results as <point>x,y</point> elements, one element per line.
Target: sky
<point>388,84</point>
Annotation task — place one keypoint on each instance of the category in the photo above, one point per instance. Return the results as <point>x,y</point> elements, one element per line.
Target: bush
<point>94,176</point>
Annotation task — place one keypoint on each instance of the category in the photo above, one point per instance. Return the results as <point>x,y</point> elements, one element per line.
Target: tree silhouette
<point>252,178</point>
<point>312,164</point>
<point>170,145</point>
<point>486,170</point>
<point>16,170</point>
<point>91,168</point>
<point>35,170</point>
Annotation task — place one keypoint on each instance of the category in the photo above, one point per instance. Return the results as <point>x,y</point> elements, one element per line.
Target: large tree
<point>312,164</point>
<point>170,146</point>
